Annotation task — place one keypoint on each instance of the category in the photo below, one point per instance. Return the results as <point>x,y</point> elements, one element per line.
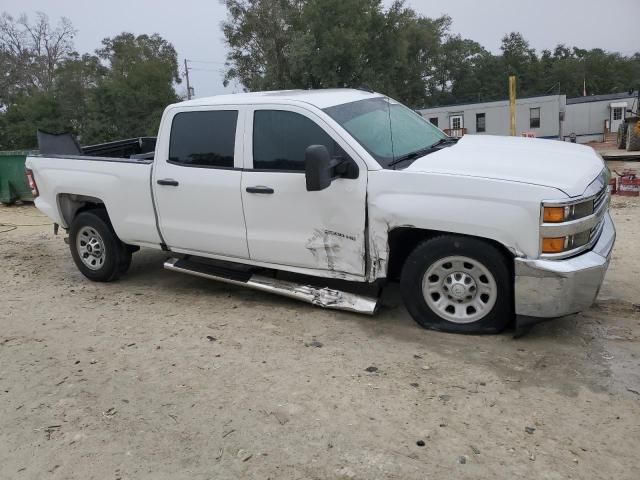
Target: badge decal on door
<point>326,247</point>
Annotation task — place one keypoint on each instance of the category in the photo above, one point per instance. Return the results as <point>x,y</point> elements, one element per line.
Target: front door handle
<point>169,182</point>
<point>260,189</point>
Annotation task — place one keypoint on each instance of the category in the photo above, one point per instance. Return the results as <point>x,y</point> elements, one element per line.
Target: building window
<point>456,122</point>
<point>434,121</point>
<point>203,139</point>
<point>617,113</point>
<point>480,123</point>
<point>534,117</point>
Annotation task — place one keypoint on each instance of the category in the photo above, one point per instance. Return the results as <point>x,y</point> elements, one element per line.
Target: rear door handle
<point>260,189</point>
<point>169,182</point>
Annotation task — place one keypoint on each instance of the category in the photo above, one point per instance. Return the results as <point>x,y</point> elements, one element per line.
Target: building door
<point>617,115</point>
<point>456,126</point>
<point>456,122</point>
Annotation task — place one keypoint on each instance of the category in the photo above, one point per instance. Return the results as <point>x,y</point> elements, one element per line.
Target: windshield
<point>385,128</point>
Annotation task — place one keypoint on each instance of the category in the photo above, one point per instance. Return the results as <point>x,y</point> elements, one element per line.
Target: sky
<point>193,26</point>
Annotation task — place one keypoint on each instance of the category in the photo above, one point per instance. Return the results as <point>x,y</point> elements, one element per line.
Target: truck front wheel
<point>458,284</point>
<point>96,250</point>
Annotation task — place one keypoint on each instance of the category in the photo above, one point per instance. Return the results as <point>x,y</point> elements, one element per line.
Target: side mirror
<point>317,172</point>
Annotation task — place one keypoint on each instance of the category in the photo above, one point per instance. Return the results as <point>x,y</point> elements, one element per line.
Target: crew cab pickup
<point>350,186</point>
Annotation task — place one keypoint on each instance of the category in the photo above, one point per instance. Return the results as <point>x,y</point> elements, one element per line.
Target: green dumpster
<point>13,182</point>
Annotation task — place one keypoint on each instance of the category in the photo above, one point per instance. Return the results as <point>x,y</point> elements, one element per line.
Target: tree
<point>137,84</point>
<point>279,44</point>
<point>258,33</point>
<point>119,92</point>
<point>31,53</point>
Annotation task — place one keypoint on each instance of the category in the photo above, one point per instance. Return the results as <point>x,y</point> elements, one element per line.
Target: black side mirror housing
<point>317,164</point>
<point>321,169</point>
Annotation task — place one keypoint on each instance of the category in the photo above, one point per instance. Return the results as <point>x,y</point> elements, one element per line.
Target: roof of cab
<point>319,98</point>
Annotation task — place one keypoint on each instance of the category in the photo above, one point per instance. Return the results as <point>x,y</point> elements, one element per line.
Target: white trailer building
<point>591,117</point>
<point>549,116</point>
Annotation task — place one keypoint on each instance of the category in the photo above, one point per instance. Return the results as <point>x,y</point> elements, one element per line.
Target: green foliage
<point>278,44</point>
<point>128,99</point>
<point>122,89</point>
<point>117,93</point>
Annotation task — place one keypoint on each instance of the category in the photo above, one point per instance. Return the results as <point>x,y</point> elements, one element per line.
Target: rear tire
<point>458,284</point>
<point>96,249</point>
<point>633,138</point>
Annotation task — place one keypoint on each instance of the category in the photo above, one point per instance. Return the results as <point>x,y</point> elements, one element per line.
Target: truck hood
<point>562,165</point>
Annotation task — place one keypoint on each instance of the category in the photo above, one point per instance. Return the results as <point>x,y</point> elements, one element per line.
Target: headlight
<point>570,227</point>
<point>575,211</point>
<point>566,243</point>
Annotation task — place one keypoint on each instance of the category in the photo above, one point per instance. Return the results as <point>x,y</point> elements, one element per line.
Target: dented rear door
<point>286,224</point>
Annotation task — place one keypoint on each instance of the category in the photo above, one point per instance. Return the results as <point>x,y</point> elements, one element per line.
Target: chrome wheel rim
<point>459,289</point>
<point>90,247</point>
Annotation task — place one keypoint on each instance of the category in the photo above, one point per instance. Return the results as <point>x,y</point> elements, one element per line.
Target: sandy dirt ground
<point>166,376</point>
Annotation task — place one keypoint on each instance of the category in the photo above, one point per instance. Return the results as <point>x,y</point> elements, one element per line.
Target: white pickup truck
<point>349,185</point>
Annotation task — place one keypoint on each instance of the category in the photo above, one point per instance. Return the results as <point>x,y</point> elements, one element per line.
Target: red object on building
<point>629,184</point>
<point>612,185</point>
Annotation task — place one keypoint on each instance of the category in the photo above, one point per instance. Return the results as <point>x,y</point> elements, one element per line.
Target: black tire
<point>621,139</point>
<point>485,256</point>
<point>117,257</point>
<point>633,138</point>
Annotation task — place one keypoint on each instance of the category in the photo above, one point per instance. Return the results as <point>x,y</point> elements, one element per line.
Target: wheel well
<point>403,240</point>
<point>71,205</point>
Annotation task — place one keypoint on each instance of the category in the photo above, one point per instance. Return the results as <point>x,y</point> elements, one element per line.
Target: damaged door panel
<point>319,230</point>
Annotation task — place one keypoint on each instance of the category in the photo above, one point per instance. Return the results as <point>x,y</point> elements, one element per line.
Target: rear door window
<point>203,139</point>
<point>280,139</point>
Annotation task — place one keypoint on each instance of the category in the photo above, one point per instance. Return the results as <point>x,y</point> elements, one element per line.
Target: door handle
<point>169,182</point>
<point>260,189</point>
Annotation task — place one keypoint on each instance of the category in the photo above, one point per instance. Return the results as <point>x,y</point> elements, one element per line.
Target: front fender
<point>503,211</point>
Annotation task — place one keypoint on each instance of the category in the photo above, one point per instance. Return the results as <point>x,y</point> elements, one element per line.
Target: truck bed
<point>123,185</point>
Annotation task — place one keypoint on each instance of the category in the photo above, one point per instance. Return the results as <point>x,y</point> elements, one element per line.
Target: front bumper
<point>553,288</point>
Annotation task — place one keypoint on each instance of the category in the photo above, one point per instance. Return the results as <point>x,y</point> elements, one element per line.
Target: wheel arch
<point>70,205</point>
<point>403,240</point>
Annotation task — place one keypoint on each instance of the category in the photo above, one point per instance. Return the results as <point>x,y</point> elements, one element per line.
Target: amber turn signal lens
<point>553,214</point>
<point>553,245</point>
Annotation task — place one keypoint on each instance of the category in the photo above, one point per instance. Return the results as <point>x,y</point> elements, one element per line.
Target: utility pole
<point>512,105</point>
<point>186,74</point>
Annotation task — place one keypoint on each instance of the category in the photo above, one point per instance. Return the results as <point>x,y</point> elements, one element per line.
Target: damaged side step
<point>323,297</point>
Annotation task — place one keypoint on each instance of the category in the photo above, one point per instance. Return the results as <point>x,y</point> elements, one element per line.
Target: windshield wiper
<point>445,141</point>
<point>423,151</point>
<point>411,156</point>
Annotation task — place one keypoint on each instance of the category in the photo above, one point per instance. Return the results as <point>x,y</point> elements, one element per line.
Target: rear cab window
<point>203,139</point>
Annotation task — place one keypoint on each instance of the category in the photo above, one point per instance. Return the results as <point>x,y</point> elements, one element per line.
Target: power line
<point>206,61</point>
<point>187,69</point>
<point>203,70</point>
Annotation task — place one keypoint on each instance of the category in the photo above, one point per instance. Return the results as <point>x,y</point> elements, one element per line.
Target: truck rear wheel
<point>633,138</point>
<point>458,284</point>
<point>96,249</point>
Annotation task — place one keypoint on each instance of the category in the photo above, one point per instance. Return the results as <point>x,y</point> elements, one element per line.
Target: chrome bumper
<point>553,288</point>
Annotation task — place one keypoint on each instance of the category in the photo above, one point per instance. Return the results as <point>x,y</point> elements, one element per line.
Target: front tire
<point>96,249</point>
<point>458,284</point>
